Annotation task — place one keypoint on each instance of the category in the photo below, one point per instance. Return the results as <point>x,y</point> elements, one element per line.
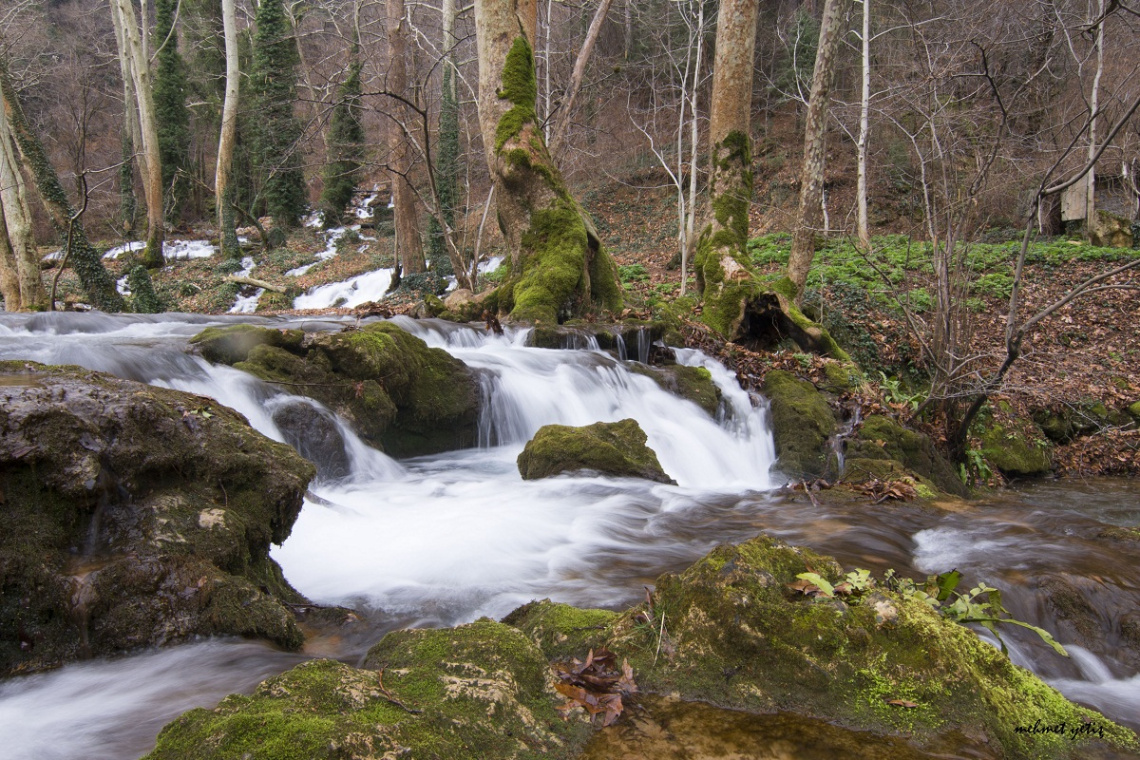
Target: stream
<point>449,538</point>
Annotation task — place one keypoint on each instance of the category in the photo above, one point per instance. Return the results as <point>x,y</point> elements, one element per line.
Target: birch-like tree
<point>227,139</point>
<point>23,288</point>
<point>135,58</point>
<point>831,30</point>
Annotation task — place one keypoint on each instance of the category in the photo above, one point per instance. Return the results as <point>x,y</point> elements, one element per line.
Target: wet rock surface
<point>135,516</point>
<point>611,448</point>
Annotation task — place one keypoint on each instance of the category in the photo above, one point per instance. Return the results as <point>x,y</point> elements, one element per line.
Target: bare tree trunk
<point>1091,221</point>
<point>831,31</point>
<point>690,239</point>
<point>9,276</point>
<point>558,266</point>
<point>409,244</point>
<point>17,219</point>
<point>562,123</point>
<point>133,52</point>
<point>93,277</point>
<point>722,270</point>
<point>864,230</point>
<point>228,135</point>
<point>130,121</point>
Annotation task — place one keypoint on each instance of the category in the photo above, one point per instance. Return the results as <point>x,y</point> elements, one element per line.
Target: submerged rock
<point>730,631</point>
<point>135,516</point>
<point>477,691</point>
<point>611,448</point>
<point>395,392</point>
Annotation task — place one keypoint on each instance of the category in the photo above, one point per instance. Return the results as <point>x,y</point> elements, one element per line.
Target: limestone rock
<point>135,516</point>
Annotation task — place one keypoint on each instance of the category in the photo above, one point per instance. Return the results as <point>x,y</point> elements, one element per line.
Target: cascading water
<point>444,539</point>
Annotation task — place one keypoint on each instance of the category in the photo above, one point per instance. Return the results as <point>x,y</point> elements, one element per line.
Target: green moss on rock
<point>232,344</point>
<point>562,631</point>
<point>396,392</point>
<point>880,437</point>
<point>736,635</point>
<point>1013,453</point>
<point>611,448</point>
<point>802,423</point>
<point>1134,411</point>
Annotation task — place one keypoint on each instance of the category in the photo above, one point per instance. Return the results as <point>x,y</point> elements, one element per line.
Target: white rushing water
<point>448,538</point>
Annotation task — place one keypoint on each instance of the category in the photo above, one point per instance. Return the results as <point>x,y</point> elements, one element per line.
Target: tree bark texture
<point>831,30</point>
<point>558,266</point>
<point>97,284</point>
<point>9,276</point>
<point>725,280</point>
<point>228,135</point>
<point>408,241</point>
<point>17,220</point>
<point>864,226</point>
<point>132,51</point>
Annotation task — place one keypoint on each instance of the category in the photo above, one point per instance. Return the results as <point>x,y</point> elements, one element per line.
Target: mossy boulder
<point>396,392</point>
<point>232,344</point>
<point>841,377</point>
<point>477,691</point>
<point>135,516</point>
<point>610,448</point>
<point>692,383</point>
<point>736,635</point>
<point>881,438</point>
<point>1134,411</point>
<point>1013,453</point>
<point>802,423</point>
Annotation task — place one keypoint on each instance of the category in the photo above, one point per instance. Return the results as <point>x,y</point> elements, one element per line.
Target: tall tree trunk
<point>132,135</point>
<point>17,218</point>
<point>93,277</point>
<point>1091,222</point>
<point>864,227</point>
<point>133,51</point>
<point>409,244</point>
<point>228,135</point>
<point>558,266</point>
<point>723,274</point>
<point>9,274</point>
<point>831,30</point>
<point>690,236</point>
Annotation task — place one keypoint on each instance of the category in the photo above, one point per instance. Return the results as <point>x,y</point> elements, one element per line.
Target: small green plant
<point>894,393</point>
<point>975,468</point>
<point>629,273</point>
<point>981,604</point>
<point>803,359</point>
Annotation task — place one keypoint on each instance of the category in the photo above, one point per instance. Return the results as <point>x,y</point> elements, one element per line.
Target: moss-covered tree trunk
<point>558,266</point>
<point>724,277</point>
<point>831,30</point>
<point>408,239</point>
<point>735,304</point>
<point>97,284</point>
<point>16,219</point>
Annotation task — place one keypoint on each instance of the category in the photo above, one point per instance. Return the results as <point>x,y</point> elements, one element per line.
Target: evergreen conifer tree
<point>171,113</point>
<point>274,129</point>
<point>345,148</point>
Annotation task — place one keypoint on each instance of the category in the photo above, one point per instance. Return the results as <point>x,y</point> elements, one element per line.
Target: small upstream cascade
<point>448,538</point>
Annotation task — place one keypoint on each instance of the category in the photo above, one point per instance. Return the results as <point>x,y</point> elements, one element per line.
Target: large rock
<point>730,631</point>
<point>1111,231</point>
<point>135,516</point>
<point>477,691</point>
<point>611,448</point>
<point>881,440</point>
<point>802,423</point>
<point>1011,452</point>
<point>395,392</point>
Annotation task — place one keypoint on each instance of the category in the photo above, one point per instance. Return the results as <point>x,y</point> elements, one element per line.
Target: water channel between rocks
<point>446,539</point>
